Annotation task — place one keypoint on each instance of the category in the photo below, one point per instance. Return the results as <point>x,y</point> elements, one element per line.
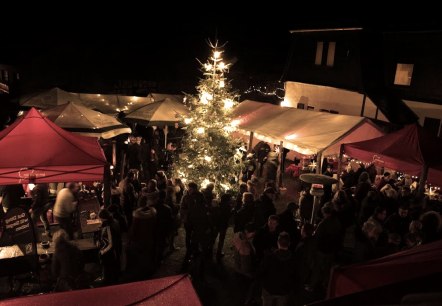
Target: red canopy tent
<point>35,150</point>
<point>409,149</point>
<point>417,262</point>
<point>174,290</point>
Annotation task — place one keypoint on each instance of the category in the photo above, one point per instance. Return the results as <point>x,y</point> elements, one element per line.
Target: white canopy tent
<point>161,113</point>
<point>306,132</point>
<point>108,104</point>
<point>82,120</point>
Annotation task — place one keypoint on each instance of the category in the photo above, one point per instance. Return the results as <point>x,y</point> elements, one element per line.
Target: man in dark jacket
<point>246,213</point>
<point>40,199</point>
<point>194,214</point>
<point>128,196</point>
<point>266,238</point>
<point>221,216</point>
<point>328,235</point>
<point>164,225</point>
<point>10,195</point>
<point>277,273</point>
<point>264,207</point>
<point>287,223</point>
<point>399,222</point>
<point>67,263</point>
<point>110,247</point>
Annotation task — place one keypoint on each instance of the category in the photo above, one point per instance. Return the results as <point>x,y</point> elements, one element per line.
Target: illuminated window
<point>331,53</point>
<point>403,75</point>
<point>319,50</point>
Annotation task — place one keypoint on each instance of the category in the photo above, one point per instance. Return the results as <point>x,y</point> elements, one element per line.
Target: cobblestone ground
<point>220,285</point>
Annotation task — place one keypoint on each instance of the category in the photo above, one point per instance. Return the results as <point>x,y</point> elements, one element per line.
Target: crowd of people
<point>275,254</point>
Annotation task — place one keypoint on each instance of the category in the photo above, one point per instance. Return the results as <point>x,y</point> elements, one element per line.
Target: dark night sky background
<point>89,52</point>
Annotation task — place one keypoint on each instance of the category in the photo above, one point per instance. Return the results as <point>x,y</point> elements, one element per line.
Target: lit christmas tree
<point>210,153</point>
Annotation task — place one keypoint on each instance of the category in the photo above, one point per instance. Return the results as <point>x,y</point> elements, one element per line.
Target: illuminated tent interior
<point>303,131</point>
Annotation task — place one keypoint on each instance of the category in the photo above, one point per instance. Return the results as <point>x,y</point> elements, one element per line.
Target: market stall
<point>411,150</point>
<point>36,150</point>
<point>303,131</point>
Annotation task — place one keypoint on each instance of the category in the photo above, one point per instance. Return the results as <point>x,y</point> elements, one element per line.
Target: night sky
<point>91,52</point>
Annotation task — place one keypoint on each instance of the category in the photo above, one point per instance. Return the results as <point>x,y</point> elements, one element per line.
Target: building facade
<point>390,76</point>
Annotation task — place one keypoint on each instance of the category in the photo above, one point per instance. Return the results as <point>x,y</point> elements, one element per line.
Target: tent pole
<point>363,105</point>
<point>315,204</point>
<point>114,152</point>
<point>422,180</point>
<point>249,149</point>
<point>166,131</point>
<point>318,162</point>
<point>281,164</point>
<point>107,185</point>
<point>341,153</point>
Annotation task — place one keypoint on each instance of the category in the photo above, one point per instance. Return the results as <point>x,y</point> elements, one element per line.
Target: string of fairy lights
<point>265,91</point>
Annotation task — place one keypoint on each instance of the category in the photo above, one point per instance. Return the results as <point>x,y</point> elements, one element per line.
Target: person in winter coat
<point>221,216</point>
<point>278,273</point>
<point>244,252</point>
<point>246,213</point>
<point>111,247</point>
<point>40,199</point>
<point>265,207</point>
<point>67,262</point>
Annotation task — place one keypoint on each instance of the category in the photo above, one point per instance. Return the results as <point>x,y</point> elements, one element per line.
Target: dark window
<point>319,51</point>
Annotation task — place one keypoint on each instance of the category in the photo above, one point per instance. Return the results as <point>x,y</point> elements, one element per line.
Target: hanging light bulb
<point>200,130</point>
<point>221,84</point>
<point>187,120</point>
<point>207,158</point>
<point>221,66</point>
<point>216,54</point>
<point>208,67</point>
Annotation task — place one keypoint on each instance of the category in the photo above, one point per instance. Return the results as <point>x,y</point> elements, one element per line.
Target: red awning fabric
<point>407,265</point>
<point>35,150</point>
<point>407,150</point>
<point>174,290</point>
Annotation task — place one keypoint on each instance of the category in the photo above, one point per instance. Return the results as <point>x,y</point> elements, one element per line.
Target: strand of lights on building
<point>264,91</point>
